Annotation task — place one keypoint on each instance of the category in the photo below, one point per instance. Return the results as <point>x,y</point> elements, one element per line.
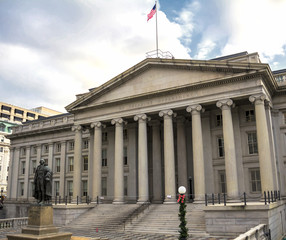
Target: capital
<point>257,99</point>
<point>195,108</point>
<point>226,103</point>
<point>97,125</point>
<point>142,117</point>
<point>167,113</point>
<point>118,121</point>
<point>76,128</point>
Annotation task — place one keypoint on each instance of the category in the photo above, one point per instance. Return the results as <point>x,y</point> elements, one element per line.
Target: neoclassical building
<point>215,126</point>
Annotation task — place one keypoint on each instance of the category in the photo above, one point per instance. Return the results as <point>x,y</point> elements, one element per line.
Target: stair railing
<point>134,214</point>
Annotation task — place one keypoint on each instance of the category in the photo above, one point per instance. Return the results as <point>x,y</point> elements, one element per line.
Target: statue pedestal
<point>40,226</point>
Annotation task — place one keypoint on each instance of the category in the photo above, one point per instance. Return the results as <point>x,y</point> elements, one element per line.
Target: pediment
<point>155,77</point>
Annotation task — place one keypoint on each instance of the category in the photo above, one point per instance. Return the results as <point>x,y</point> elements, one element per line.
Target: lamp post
<point>182,214</point>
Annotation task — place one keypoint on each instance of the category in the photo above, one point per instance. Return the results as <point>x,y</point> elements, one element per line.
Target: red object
<point>96,229</point>
<point>152,12</point>
<point>181,197</point>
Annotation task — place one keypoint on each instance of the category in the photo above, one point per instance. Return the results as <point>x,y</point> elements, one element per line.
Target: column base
<point>143,201</point>
<point>170,201</point>
<point>118,202</point>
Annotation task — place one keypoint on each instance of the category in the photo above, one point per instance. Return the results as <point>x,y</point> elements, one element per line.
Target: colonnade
<point>94,176</point>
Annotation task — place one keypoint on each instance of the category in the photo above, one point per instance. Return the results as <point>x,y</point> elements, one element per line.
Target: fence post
<point>244,198</point>
<point>212,198</point>
<point>224,199</point>
<point>66,200</point>
<point>76,200</point>
<point>206,199</point>
<point>268,197</point>
<point>279,195</point>
<point>59,199</point>
<point>271,196</point>
<point>265,198</point>
<point>218,196</point>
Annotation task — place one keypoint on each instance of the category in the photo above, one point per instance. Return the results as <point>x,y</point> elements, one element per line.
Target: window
<point>23,151</point>
<point>218,120</point>
<point>57,188</point>
<point>104,136</point>
<point>18,119</point>
<point>1,149</point>
<point>45,148</point>
<point>23,165</point>
<point>249,116</point>
<point>220,143</point>
<point>125,186</point>
<point>84,188</point>
<point>284,118</point>
<point>18,111</point>
<point>222,181</point>
<point>85,163</point>
<point>58,148</point>
<point>58,165</point>
<point>2,127</point>
<point>70,164</point>
<point>3,115</point>
<point>255,184</point>
<point>0,168</point>
<point>21,189</point>
<point>125,134</point>
<point>85,144</point>
<point>70,188</point>
<point>9,129</point>
<point>104,186</point>
<point>34,150</point>
<point>33,166</point>
<point>70,146</point>
<point>31,115</point>
<point>104,157</point>
<point>252,143</point>
<point>125,159</point>
<point>6,108</point>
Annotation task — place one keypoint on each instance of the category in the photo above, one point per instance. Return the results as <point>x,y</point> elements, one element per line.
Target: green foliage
<point>183,223</point>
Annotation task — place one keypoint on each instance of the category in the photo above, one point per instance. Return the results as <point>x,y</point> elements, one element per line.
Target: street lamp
<point>182,214</point>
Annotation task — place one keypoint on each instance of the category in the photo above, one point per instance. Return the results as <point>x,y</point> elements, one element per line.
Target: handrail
<point>135,213</point>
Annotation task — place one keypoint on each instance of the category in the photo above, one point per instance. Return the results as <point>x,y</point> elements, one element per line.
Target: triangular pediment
<point>153,76</point>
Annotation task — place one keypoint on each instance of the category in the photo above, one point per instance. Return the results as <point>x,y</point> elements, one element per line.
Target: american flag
<point>152,12</point>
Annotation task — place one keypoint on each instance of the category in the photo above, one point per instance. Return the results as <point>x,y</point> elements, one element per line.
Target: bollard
<point>212,198</point>
<point>244,198</point>
<point>206,199</point>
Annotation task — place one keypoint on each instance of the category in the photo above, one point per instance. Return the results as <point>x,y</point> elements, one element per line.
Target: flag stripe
<point>151,14</point>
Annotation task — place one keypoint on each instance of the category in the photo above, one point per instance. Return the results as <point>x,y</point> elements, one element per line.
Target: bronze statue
<point>43,183</point>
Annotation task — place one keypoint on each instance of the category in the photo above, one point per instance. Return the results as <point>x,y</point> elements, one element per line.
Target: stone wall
<point>236,219</point>
<point>64,214</point>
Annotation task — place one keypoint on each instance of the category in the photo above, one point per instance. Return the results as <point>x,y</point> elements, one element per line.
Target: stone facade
<point>212,126</point>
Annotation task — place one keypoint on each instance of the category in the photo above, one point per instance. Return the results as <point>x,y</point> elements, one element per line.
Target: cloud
<point>53,50</point>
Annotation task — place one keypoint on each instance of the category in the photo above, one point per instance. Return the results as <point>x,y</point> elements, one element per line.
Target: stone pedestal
<point>40,226</point>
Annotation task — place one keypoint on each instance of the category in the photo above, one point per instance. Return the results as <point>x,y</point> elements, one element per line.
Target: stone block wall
<point>235,219</point>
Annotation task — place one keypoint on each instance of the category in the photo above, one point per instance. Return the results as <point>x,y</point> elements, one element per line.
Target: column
<point>265,160</point>
<point>182,153</point>
<point>62,169</point>
<point>157,166</point>
<point>11,172</point>
<point>27,168</point>
<point>77,162</point>
<point>50,156</point>
<point>14,180</point>
<point>169,157</point>
<point>198,152</point>
<point>118,162</point>
<point>97,158</point>
<point>229,149</point>
<point>143,185</point>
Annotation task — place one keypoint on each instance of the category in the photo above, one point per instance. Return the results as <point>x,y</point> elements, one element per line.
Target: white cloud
<point>65,51</point>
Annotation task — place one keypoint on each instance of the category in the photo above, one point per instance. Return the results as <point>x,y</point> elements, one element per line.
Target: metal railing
<point>135,214</point>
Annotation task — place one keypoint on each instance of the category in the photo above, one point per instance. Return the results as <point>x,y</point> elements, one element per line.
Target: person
<point>43,183</point>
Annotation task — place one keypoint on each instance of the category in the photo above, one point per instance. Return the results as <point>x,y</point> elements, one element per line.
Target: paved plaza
<point>116,235</point>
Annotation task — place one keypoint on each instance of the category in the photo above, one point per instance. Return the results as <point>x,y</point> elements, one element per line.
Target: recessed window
<point>58,165</point>
<point>104,186</point>
<point>252,143</point>
<point>85,144</point>
<point>255,182</point>
<point>125,158</point>
<point>218,120</point>
<point>104,157</point>
<point>57,188</point>
<point>85,163</point>
<point>125,134</point>
<point>220,143</point>
<point>249,116</point>
<point>58,148</point>
<point>70,164</point>
<point>84,188</point>
<point>222,181</point>
<point>70,188</point>
<point>104,136</point>
<point>70,146</point>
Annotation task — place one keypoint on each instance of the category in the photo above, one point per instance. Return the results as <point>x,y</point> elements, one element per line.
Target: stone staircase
<point>157,219</point>
<point>104,217</point>
<point>163,218</point>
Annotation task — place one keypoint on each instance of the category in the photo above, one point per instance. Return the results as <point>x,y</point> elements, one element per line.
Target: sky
<point>51,50</point>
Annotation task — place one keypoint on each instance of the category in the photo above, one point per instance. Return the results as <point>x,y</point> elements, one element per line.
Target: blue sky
<point>52,50</point>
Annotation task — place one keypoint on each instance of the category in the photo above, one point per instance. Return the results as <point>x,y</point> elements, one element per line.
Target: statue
<point>43,183</point>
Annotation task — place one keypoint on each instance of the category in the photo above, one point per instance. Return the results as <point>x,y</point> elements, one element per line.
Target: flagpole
<point>156,30</point>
